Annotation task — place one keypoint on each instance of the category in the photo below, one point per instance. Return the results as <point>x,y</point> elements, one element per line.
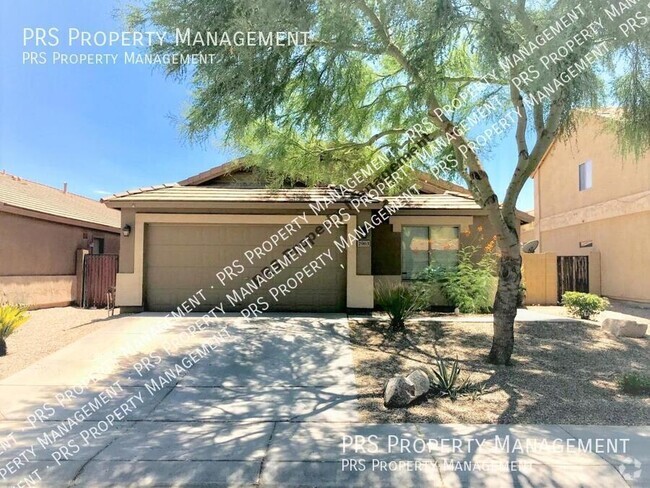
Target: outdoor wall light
<point>126,230</point>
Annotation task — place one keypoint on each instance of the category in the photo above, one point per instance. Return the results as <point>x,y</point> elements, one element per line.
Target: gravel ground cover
<point>47,331</point>
<point>617,309</point>
<point>563,373</point>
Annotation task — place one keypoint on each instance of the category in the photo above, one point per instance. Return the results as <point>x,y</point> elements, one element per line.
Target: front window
<point>584,176</point>
<point>428,246</point>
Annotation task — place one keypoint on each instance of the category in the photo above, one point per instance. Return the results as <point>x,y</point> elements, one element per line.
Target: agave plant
<point>448,382</point>
<point>11,317</point>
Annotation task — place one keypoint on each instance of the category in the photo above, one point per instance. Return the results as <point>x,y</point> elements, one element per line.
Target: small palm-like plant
<point>11,317</point>
<point>400,302</point>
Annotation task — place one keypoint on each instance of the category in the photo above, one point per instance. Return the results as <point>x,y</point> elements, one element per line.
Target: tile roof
<point>35,197</point>
<point>177,193</point>
<point>444,201</point>
<point>197,194</point>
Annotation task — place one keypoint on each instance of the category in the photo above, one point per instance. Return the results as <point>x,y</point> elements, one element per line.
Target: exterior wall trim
<point>359,289</point>
<point>624,206</point>
<point>397,221</point>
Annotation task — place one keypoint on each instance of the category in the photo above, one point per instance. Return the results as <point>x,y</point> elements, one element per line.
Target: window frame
<point>429,250</point>
<point>586,181</point>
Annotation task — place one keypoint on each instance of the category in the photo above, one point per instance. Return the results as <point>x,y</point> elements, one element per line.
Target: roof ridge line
<point>20,178</point>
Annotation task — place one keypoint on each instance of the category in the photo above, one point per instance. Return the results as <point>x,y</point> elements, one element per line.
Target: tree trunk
<point>505,307</point>
<point>3,347</point>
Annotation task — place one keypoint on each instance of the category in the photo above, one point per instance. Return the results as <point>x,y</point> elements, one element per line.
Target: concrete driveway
<point>159,401</point>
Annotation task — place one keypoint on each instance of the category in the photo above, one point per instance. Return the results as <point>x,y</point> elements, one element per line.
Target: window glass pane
<point>584,176</point>
<point>415,251</point>
<point>444,242</point>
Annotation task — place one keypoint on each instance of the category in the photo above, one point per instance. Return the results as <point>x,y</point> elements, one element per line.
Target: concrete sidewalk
<point>274,403</point>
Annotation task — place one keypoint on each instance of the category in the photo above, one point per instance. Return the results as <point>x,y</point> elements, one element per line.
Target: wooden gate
<point>572,274</point>
<point>100,272</point>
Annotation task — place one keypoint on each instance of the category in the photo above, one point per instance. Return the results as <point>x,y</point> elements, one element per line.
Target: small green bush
<point>584,305</point>
<point>471,285</point>
<point>446,381</point>
<point>400,302</point>
<point>11,317</point>
<point>635,383</point>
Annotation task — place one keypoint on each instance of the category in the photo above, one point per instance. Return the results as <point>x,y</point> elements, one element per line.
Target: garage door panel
<point>181,259</point>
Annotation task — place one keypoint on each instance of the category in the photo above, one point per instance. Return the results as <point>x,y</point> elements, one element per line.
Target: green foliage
<point>584,305</point>
<point>11,317</point>
<point>471,285</point>
<point>635,383</point>
<point>446,380</point>
<point>373,67</point>
<point>521,296</point>
<point>400,302</point>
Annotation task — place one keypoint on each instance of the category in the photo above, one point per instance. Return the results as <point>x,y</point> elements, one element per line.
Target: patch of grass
<point>635,383</point>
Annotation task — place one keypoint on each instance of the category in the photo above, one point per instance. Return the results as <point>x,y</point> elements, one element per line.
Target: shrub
<point>11,317</point>
<point>470,286</point>
<point>583,305</point>
<point>635,383</point>
<point>400,302</point>
<point>446,380</point>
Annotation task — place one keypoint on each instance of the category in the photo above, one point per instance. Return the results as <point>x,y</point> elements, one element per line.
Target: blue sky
<point>105,129</point>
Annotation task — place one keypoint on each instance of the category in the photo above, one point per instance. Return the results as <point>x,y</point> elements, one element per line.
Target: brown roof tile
<point>28,195</point>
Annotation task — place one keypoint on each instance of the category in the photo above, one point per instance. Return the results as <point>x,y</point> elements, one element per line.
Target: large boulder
<point>624,328</point>
<point>421,382</point>
<point>399,392</point>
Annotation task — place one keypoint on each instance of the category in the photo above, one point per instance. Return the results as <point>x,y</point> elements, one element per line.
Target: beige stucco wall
<point>38,259</point>
<point>39,291</point>
<point>623,246</point>
<point>539,275</point>
<point>614,213</point>
<point>35,247</point>
<point>613,176</point>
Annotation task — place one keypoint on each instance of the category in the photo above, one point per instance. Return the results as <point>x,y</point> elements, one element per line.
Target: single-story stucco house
<point>221,231</point>
<point>41,230</point>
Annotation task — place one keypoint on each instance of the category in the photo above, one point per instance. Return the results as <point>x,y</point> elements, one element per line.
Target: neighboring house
<point>198,235</point>
<point>41,229</point>
<point>589,198</point>
<point>527,231</point>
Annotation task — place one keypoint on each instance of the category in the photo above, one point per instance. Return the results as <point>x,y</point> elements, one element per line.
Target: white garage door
<point>181,259</point>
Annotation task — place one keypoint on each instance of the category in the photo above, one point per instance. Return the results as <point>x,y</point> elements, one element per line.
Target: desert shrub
<point>521,295</point>
<point>400,301</point>
<point>470,286</point>
<point>11,317</point>
<point>635,383</point>
<point>583,305</point>
<point>446,380</point>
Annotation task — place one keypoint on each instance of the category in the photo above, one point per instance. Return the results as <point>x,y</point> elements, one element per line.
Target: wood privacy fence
<point>572,274</point>
<point>547,276</point>
<point>99,275</point>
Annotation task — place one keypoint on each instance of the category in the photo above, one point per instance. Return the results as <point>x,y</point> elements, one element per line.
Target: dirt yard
<point>563,373</point>
<point>47,331</point>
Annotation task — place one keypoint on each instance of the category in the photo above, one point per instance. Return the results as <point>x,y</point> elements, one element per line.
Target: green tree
<point>372,70</point>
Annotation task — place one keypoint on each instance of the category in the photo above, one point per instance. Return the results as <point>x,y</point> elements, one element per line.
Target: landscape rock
<point>625,328</point>
<point>421,381</point>
<point>399,392</point>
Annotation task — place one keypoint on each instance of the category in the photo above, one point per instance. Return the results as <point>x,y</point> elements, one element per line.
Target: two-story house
<point>589,197</point>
